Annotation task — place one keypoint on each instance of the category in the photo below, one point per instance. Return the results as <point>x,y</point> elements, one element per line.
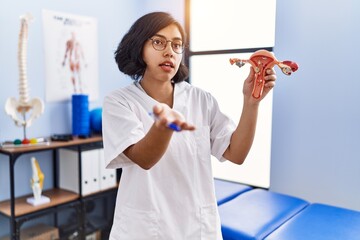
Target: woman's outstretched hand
<point>165,117</point>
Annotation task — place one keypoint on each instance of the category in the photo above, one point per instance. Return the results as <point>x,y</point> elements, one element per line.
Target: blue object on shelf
<point>96,120</point>
<point>80,115</point>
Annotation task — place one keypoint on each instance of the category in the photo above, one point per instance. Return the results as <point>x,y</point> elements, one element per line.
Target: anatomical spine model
<point>24,105</point>
<point>260,61</point>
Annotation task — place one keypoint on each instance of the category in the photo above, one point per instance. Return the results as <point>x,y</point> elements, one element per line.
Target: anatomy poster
<point>71,55</point>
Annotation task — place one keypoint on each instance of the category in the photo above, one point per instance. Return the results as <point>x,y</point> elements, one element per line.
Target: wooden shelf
<point>51,145</point>
<point>24,211</point>
<point>57,197</point>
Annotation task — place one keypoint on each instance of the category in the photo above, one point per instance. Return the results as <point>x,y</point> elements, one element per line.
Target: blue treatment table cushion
<point>256,213</point>
<point>320,222</point>
<point>225,190</point>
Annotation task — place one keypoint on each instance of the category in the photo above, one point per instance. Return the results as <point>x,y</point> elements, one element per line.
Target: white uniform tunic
<point>175,199</point>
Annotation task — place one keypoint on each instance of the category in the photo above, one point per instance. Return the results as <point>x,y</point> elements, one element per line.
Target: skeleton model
<point>260,61</point>
<point>24,105</point>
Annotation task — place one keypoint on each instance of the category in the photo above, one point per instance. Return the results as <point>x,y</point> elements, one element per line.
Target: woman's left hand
<point>270,78</point>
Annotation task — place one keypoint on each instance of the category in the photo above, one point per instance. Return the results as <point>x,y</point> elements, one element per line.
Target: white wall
<point>316,118</point>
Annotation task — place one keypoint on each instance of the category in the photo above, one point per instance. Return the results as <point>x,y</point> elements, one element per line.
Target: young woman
<point>162,131</point>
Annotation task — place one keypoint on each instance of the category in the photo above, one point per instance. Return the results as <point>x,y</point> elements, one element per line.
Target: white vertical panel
<point>90,171</point>
<point>107,176</point>
<point>214,74</point>
<point>232,24</point>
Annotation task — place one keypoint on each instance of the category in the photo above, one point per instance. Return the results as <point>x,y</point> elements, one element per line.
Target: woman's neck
<point>160,91</point>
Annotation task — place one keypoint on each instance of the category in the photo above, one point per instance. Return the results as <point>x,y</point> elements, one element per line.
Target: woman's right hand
<point>167,118</point>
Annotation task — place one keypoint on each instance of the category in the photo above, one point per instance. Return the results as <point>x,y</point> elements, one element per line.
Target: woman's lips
<point>167,66</point>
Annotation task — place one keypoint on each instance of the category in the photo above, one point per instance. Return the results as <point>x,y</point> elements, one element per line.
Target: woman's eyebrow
<point>175,38</point>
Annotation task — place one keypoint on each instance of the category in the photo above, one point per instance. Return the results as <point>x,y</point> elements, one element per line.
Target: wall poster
<point>71,55</point>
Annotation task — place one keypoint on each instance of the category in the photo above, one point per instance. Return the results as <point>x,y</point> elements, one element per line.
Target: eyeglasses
<point>159,44</point>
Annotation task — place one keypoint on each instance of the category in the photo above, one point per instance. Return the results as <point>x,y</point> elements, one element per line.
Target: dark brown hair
<point>128,55</point>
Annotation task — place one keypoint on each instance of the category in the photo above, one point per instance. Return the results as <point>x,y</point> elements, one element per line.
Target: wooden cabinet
<point>19,211</point>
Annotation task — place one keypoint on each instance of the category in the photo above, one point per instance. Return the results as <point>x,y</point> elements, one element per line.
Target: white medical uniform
<point>174,199</point>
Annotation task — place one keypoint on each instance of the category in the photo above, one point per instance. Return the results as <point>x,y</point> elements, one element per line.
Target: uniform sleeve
<point>121,128</point>
<point>221,129</point>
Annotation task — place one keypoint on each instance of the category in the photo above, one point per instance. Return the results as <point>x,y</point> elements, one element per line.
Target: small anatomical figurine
<point>37,180</point>
<point>260,61</point>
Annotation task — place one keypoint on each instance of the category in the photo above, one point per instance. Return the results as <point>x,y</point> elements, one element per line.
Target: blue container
<point>80,115</point>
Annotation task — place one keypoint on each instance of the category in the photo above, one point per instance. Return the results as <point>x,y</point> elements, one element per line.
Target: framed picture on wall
<point>71,55</point>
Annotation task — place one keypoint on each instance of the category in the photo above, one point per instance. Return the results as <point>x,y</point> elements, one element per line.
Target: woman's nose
<point>168,50</point>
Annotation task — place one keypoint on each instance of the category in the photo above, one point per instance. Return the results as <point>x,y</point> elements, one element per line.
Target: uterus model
<point>260,61</point>
<point>37,184</point>
<point>24,105</point>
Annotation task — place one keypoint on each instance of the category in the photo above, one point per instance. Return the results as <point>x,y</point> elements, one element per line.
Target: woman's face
<point>162,65</point>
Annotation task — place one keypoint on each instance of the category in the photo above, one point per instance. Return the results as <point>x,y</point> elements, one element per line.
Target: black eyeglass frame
<point>164,46</point>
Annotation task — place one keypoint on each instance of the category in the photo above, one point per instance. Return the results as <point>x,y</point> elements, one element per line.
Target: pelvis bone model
<point>14,107</point>
<point>260,61</point>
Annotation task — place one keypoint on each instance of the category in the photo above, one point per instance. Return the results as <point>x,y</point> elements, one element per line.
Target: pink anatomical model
<point>260,61</point>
